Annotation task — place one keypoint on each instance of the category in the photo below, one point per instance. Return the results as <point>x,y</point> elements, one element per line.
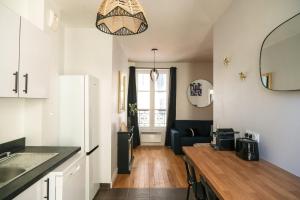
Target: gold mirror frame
<point>121,92</point>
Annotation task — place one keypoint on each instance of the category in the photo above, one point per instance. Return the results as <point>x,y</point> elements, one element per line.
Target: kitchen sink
<point>8,173</point>
<point>18,164</point>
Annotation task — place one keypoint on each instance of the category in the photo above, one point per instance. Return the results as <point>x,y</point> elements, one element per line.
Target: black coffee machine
<point>247,149</point>
<point>223,139</point>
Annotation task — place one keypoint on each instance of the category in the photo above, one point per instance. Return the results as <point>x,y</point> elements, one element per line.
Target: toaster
<point>247,149</point>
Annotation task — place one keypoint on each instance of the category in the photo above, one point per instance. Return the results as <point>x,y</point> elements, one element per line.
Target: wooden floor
<point>154,167</point>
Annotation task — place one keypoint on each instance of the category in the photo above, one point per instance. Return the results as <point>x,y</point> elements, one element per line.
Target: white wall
<point>11,121</point>
<point>119,63</point>
<point>32,10</point>
<point>186,73</point>
<point>246,104</point>
<point>88,51</point>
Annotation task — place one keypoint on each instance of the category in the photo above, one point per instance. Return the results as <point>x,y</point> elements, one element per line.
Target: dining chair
<point>197,187</point>
<point>209,193</point>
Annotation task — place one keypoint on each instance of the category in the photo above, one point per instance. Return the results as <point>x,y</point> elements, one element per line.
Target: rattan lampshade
<point>121,17</point>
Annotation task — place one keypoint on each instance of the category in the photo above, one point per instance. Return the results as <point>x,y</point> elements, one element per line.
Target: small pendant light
<point>154,73</point>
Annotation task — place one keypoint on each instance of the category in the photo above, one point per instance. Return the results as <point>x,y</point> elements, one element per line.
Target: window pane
<point>143,100</point>
<point>143,82</point>
<point>160,118</point>
<point>160,100</point>
<point>161,83</point>
<point>144,118</point>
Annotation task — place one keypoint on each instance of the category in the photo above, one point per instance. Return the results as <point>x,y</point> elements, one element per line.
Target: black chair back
<point>190,171</point>
<point>197,187</point>
<point>210,195</point>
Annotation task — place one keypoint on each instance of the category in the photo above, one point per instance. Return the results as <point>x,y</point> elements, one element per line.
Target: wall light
<point>242,76</point>
<point>226,61</point>
<point>53,21</point>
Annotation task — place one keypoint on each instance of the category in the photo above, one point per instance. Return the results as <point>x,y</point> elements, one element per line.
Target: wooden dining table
<point>232,178</point>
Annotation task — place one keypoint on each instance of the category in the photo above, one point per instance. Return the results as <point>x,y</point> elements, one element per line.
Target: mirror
<point>200,93</point>
<point>280,57</point>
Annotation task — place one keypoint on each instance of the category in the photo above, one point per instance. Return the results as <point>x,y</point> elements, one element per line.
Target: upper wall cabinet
<point>23,57</point>
<point>280,57</point>
<point>34,44</point>
<point>9,52</point>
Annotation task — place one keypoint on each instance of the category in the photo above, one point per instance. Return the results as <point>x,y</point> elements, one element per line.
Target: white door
<point>72,111</point>
<point>34,47</point>
<point>92,172</point>
<point>9,52</point>
<point>74,184</point>
<point>91,113</point>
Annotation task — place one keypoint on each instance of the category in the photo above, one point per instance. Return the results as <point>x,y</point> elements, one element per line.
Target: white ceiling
<point>180,29</point>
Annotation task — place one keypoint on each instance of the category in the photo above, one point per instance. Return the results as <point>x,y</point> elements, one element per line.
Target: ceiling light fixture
<point>154,73</point>
<point>121,17</point>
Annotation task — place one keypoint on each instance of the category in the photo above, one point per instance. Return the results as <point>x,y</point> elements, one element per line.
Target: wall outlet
<point>256,137</point>
<point>252,135</point>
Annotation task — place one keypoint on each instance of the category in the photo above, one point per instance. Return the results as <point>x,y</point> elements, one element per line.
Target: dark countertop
<point>23,182</point>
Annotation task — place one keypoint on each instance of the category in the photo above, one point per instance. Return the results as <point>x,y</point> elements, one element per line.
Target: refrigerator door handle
<point>91,151</point>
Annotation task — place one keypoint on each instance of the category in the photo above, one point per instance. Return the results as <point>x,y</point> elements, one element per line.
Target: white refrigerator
<point>79,119</point>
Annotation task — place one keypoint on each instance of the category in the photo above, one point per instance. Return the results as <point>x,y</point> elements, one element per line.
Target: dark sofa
<point>179,136</point>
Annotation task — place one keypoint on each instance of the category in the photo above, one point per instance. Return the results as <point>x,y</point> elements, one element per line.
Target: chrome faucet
<point>4,155</point>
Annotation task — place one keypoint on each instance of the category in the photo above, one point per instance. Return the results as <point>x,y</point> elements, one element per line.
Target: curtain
<point>172,106</point>
<point>132,119</point>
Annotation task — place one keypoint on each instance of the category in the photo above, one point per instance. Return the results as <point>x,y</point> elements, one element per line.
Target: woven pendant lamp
<point>121,17</point>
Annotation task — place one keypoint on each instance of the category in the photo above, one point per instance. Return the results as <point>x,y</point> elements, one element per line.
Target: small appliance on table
<point>223,139</point>
<point>247,149</point>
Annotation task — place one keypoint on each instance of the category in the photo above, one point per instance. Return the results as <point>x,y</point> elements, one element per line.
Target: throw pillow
<point>191,132</point>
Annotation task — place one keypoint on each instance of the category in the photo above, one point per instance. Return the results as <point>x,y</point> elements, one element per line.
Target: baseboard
<point>114,176</point>
<point>105,185</point>
<point>151,144</point>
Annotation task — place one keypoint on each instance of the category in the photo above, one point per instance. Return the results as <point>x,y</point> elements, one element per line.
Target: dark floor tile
<point>138,194</point>
<point>143,194</point>
<point>166,194</point>
<point>112,194</point>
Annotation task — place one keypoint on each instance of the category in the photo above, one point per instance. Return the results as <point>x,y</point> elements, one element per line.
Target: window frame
<point>152,91</point>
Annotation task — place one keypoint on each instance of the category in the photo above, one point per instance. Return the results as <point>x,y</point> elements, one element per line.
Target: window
<point>152,99</point>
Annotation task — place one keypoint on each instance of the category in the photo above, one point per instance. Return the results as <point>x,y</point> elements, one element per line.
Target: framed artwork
<point>121,92</point>
<point>196,89</point>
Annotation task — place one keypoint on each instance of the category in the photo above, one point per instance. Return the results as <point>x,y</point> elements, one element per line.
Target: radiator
<point>151,137</point>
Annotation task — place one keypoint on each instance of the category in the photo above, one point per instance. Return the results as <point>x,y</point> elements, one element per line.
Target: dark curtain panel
<point>132,100</point>
<point>172,105</point>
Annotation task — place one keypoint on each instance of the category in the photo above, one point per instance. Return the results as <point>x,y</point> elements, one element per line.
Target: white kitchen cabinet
<point>9,52</point>
<point>34,69</point>
<point>66,182</point>
<point>38,191</point>
<point>24,57</point>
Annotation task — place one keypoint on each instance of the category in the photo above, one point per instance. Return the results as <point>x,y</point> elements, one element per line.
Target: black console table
<point>125,152</point>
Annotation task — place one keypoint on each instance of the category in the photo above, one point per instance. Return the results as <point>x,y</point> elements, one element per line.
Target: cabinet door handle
<point>47,196</point>
<point>26,84</point>
<point>16,74</point>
